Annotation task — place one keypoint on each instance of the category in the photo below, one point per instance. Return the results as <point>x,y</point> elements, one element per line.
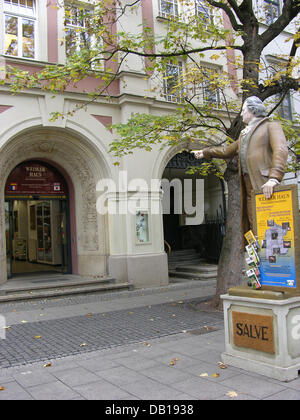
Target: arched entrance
<point>37,228</point>
<point>195,216</point>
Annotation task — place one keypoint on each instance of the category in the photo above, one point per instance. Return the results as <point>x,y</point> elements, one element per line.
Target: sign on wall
<point>35,178</point>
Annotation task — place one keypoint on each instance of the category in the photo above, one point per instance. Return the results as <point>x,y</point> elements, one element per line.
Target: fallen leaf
<point>216,375</point>
<point>47,365</point>
<point>89,315</point>
<point>37,337</point>
<point>2,388</point>
<point>203,375</point>
<point>173,361</point>
<point>83,345</point>
<point>130,313</point>
<point>232,394</point>
<point>24,322</point>
<point>222,365</point>
<point>147,344</point>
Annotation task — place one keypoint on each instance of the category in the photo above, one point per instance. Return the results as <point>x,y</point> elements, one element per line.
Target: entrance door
<point>36,236</point>
<point>37,220</point>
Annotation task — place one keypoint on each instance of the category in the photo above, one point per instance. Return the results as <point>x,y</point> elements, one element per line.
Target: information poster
<point>275,234</point>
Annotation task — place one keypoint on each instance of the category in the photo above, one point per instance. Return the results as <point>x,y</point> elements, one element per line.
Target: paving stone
<point>14,391</point>
<point>52,391</point>
<point>120,375</point>
<point>102,390</point>
<point>255,386</point>
<point>32,378</point>
<point>76,376</point>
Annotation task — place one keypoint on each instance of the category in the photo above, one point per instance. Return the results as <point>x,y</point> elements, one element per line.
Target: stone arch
<point>84,165</point>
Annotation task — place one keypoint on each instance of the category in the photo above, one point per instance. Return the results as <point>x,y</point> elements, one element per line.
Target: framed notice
<point>142,227</point>
<point>277,231</point>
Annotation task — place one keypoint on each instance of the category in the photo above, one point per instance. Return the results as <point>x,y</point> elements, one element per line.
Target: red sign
<point>34,178</point>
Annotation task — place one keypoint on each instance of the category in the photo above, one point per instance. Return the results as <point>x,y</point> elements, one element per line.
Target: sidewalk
<point>149,344</point>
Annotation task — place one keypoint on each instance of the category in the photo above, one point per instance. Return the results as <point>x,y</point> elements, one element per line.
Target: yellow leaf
<point>2,388</point>
<point>232,394</point>
<point>48,365</point>
<point>216,375</point>
<point>37,337</point>
<point>222,365</point>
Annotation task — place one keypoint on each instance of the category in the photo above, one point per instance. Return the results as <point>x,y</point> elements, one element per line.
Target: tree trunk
<point>231,261</point>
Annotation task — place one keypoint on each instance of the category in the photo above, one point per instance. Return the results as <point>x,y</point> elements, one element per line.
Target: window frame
<point>268,8</point>
<point>168,95</point>
<point>21,14</point>
<point>206,11</point>
<point>283,108</point>
<point>203,87</point>
<point>175,7</point>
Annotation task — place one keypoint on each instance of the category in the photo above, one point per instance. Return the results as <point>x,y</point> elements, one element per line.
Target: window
<point>203,11</point>
<point>210,94</point>
<point>77,25</point>
<point>285,108</point>
<point>172,74</point>
<point>206,90</point>
<point>168,8</point>
<point>19,28</point>
<point>271,10</point>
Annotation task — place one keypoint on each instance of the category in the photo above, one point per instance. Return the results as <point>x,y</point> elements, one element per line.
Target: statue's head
<point>255,106</point>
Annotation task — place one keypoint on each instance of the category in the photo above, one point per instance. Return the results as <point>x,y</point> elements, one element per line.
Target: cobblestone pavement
<point>29,342</point>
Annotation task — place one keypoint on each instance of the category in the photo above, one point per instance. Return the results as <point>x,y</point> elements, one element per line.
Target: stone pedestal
<point>263,335</point>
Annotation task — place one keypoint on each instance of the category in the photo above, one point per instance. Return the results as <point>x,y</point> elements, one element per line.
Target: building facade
<point>58,178</point>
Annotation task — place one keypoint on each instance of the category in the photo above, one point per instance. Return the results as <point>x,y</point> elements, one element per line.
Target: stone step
<point>185,259</point>
<point>64,291</point>
<point>192,275</point>
<point>54,282</point>
<point>201,268</point>
<point>183,252</point>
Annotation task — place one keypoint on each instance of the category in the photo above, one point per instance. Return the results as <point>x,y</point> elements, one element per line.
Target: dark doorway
<point>37,220</point>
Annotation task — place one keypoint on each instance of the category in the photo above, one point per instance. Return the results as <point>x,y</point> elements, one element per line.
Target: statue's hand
<point>199,154</point>
<point>268,188</point>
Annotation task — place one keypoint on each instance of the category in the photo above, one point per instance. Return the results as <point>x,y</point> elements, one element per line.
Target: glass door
<point>8,237</point>
<point>63,236</point>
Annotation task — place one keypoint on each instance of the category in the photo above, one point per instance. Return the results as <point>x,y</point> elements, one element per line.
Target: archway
<point>82,165</point>
<point>195,212</point>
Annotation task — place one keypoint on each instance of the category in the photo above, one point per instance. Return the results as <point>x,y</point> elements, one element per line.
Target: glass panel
<point>28,38</point>
<point>62,232</point>
<point>169,8</point>
<point>47,232</point>
<point>40,230</point>
<point>7,239</point>
<point>271,11</point>
<point>70,41</point>
<point>11,35</point>
<point>142,227</point>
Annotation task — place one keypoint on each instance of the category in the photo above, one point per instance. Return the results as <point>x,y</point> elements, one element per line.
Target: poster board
<point>276,225</point>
